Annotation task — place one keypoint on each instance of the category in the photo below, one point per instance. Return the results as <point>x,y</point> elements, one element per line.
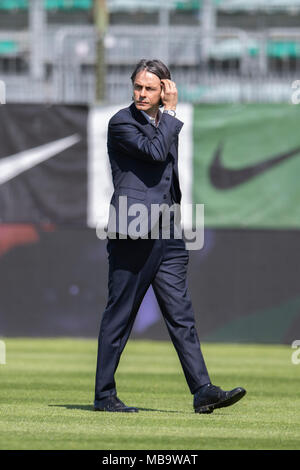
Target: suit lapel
<point>149,130</point>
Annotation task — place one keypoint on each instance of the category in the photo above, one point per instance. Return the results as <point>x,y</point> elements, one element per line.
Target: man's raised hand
<point>169,94</point>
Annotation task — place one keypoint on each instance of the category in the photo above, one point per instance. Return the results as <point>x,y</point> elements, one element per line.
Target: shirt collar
<point>151,119</point>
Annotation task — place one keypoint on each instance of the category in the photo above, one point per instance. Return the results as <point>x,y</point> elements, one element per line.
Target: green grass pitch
<point>47,388</point>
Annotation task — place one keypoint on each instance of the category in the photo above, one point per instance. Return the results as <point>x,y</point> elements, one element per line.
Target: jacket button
<point>165,196</point>
<point>167,177</point>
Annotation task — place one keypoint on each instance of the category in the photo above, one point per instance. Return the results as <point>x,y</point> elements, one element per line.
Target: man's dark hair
<point>154,66</point>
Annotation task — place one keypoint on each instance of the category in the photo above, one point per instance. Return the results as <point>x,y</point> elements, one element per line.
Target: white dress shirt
<point>151,119</point>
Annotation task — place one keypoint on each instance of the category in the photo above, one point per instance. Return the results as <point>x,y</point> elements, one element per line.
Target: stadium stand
<point>49,4</point>
<point>214,47</point>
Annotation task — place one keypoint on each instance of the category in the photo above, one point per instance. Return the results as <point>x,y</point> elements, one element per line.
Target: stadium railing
<point>239,66</point>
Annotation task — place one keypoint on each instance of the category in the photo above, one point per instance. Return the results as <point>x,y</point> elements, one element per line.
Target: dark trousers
<point>133,266</point>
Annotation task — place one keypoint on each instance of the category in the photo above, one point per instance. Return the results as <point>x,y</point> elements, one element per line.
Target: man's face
<point>146,91</point>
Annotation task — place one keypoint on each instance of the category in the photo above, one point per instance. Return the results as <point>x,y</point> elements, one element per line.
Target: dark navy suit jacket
<point>144,163</point>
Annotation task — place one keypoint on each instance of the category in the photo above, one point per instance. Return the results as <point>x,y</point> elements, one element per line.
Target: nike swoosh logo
<point>18,163</point>
<point>226,178</point>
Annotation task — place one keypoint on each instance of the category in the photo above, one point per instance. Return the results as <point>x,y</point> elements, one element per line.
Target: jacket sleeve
<point>129,139</point>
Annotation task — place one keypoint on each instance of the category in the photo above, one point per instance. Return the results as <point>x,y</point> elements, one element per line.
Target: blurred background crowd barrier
<point>71,51</point>
<point>66,65</point>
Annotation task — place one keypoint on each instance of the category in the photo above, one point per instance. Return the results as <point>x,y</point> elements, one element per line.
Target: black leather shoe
<point>113,404</point>
<point>210,397</point>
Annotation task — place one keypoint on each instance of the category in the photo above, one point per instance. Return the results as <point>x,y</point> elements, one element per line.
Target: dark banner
<point>43,164</point>
<point>244,285</point>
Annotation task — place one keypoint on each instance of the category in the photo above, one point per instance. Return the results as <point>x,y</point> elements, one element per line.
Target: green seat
<point>69,4</point>
<point>50,4</point>
<point>8,47</point>
<point>192,4</point>
<point>281,49</point>
<point>13,4</point>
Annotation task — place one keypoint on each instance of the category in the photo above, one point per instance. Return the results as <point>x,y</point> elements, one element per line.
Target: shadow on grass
<point>91,408</point>
<point>75,407</point>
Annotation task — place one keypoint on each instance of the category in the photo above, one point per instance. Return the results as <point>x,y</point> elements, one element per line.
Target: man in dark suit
<point>143,152</point>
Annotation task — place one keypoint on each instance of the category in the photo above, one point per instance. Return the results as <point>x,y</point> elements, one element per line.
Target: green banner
<point>247,165</point>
